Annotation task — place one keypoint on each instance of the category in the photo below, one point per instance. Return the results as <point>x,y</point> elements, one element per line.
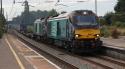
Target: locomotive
<point>77,31</point>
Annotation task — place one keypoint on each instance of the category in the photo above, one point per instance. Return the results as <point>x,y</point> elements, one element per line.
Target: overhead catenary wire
<point>11,9</point>
<point>57,3</point>
<point>79,1</point>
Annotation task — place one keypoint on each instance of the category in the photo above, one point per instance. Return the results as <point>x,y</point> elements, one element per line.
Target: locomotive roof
<point>61,16</point>
<point>67,15</point>
<point>37,20</point>
<point>76,12</point>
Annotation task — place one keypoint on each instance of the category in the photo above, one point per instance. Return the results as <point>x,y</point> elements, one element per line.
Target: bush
<point>123,34</point>
<point>1,33</point>
<point>115,33</point>
<point>119,24</point>
<point>105,32</point>
<point>30,29</point>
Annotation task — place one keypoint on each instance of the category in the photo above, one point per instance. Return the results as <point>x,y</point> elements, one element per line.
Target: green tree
<point>120,11</point>
<point>120,6</point>
<point>63,12</point>
<point>2,25</point>
<point>53,13</point>
<point>117,18</point>
<point>108,18</point>
<point>34,15</point>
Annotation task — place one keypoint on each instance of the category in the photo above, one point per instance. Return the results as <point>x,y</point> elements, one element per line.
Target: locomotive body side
<point>78,31</point>
<point>39,31</point>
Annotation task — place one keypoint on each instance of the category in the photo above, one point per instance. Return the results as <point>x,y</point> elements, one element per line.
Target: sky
<point>13,10</point>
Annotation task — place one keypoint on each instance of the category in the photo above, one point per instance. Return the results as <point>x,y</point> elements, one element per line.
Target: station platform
<point>15,54</point>
<point>119,43</point>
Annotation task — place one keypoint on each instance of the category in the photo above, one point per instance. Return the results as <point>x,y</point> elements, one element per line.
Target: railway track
<point>105,62</point>
<point>74,61</point>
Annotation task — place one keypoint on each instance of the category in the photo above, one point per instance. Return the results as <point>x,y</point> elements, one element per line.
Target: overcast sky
<point>104,6</point>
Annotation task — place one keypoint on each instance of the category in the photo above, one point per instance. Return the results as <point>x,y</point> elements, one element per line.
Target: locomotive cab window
<point>85,20</point>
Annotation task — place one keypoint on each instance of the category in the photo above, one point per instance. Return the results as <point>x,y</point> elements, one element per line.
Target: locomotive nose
<point>87,33</point>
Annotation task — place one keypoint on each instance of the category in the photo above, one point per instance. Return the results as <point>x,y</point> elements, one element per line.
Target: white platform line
<point>30,62</point>
<point>15,55</point>
<point>40,55</point>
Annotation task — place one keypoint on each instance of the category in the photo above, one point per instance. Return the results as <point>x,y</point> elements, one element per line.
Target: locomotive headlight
<point>97,35</point>
<point>76,35</point>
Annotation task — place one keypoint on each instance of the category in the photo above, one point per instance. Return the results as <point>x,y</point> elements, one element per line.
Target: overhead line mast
<point>96,7</point>
<point>1,7</point>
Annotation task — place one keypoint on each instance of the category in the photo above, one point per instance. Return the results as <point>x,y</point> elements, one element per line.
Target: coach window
<point>58,29</point>
<point>36,27</point>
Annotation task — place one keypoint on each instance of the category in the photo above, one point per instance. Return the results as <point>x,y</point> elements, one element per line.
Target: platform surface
<point>14,54</point>
<point>120,42</point>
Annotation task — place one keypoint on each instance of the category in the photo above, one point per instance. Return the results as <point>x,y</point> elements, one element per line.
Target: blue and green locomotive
<point>78,31</point>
